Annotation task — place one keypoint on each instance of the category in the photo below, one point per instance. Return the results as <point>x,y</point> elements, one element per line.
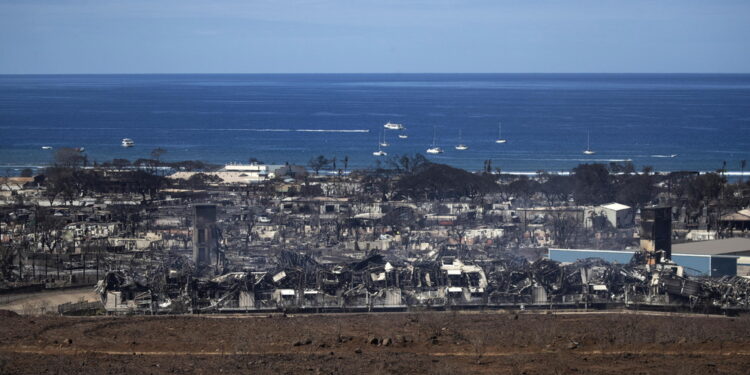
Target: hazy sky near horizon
<point>351,36</point>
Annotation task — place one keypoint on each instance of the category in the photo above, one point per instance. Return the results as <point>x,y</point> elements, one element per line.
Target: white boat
<point>127,142</point>
<point>434,149</point>
<point>380,152</point>
<point>46,147</point>
<point>588,150</point>
<point>80,149</point>
<point>391,126</point>
<point>403,136</point>
<point>383,143</point>
<point>500,134</point>
<point>461,146</point>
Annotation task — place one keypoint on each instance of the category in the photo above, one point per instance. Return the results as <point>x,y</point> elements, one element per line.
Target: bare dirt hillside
<point>397,343</point>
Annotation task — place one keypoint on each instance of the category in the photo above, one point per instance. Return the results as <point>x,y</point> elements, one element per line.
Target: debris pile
<point>298,282</point>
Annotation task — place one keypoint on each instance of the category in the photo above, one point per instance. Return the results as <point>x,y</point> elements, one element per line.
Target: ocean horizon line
<point>367,73</point>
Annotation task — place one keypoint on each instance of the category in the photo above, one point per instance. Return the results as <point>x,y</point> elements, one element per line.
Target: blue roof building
<point>694,264</point>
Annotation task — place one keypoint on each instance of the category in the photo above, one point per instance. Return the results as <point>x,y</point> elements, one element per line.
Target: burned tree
<point>318,163</point>
<point>592,184</point>
<point>69,157</point>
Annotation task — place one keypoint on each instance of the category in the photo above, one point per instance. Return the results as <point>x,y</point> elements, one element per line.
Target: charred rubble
<point>381,283</point>
<point>413,236</point>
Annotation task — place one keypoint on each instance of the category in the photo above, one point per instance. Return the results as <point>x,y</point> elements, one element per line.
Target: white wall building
<point>618,215</point>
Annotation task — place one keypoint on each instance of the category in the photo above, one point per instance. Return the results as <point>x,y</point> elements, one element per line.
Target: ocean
<point>667,121</point>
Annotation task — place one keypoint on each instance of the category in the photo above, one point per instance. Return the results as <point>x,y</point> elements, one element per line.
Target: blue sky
<point>350,36</point>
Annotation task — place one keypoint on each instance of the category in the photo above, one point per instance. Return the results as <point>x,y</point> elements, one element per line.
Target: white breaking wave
<point>206,129</point>
<point>573,159</point>
<point>270,130</point>
<point>334,130</point>
<point>566,173</point>
<point>21,166</point>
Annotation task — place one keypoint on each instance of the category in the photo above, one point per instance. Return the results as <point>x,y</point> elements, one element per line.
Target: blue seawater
<point>702,119</point>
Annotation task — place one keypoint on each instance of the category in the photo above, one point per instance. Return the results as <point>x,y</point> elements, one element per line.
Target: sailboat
<point>500,134</point>
<point>588,150</point>
<point>383,142</point>
<point>461,146</point>
<point>379,152</point>
<point>434,149</point>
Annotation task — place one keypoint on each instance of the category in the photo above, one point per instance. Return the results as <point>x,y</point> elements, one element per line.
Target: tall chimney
<point>656,232</point>
<point>205,251</point>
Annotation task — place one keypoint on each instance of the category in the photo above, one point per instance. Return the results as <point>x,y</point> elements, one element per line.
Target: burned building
<point>656,233</point>
<point>206,250</point>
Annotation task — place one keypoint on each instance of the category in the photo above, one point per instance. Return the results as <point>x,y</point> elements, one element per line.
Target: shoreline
<point>729,173</point>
